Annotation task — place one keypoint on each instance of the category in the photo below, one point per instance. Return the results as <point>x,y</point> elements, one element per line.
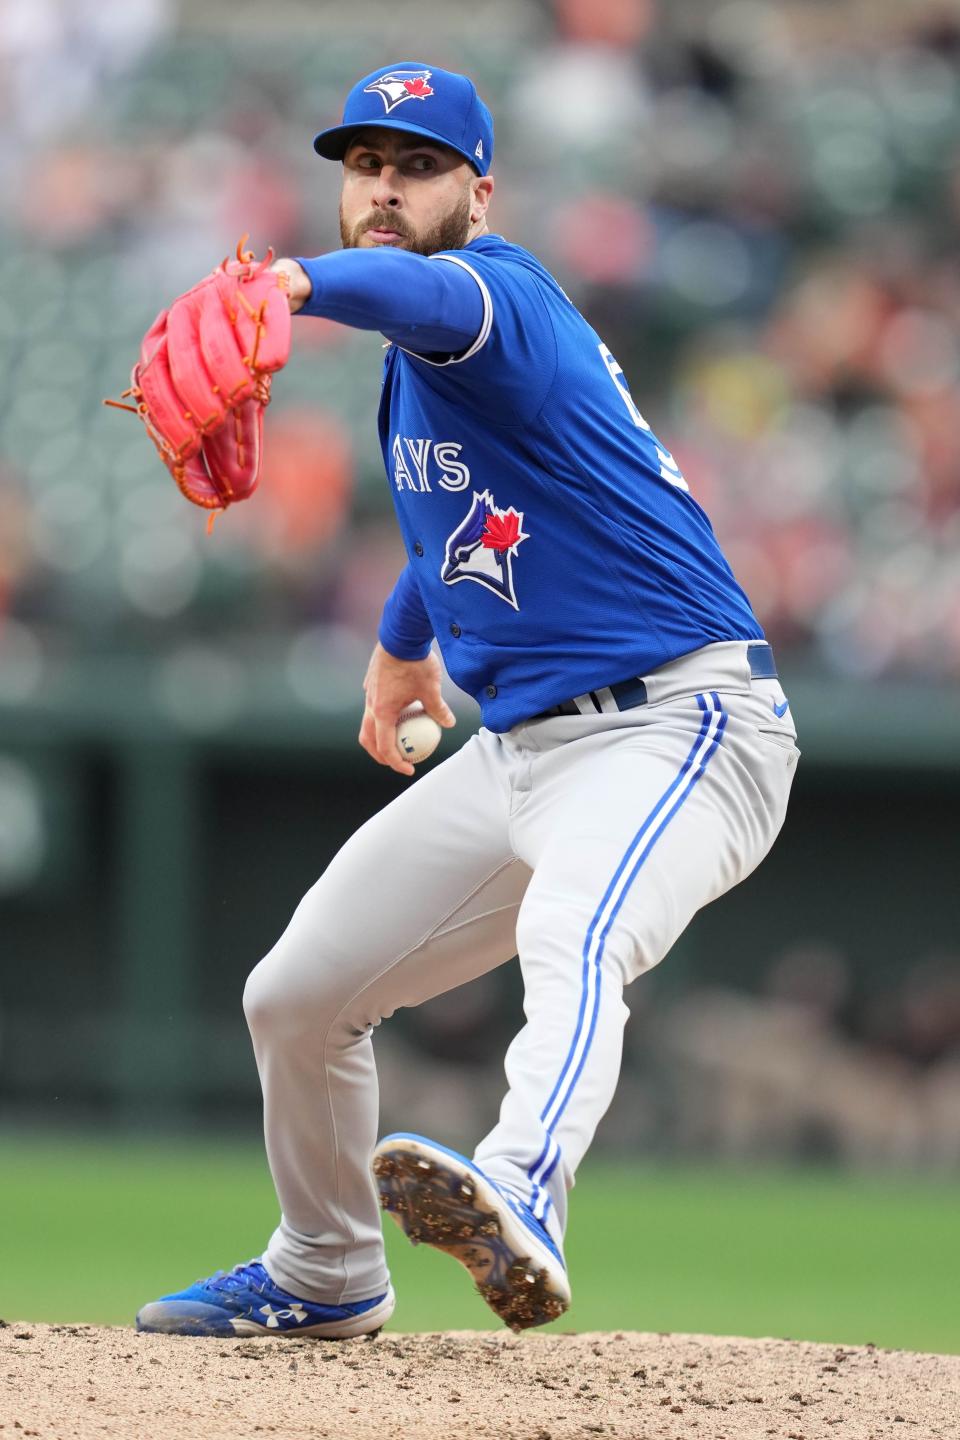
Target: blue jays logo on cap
<point>483,546</point>
<point>450,112</point>
<point>400,85</point>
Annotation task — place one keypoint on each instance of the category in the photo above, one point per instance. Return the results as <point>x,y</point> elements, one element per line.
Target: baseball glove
<point>202,381</point>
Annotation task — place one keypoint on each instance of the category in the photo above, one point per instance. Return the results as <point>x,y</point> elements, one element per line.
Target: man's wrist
<point>299,288</point>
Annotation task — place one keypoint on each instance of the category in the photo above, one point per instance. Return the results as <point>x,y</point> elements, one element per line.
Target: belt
<point>628,694</point>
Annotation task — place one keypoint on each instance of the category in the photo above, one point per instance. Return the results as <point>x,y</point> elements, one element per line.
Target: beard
<point>449,233</point>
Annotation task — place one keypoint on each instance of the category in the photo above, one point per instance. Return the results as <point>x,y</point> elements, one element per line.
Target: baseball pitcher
<point>636,751</point>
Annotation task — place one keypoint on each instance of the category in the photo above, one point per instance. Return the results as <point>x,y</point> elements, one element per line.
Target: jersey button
<point>455,630</point>
<point>418,550</point>
<point>491,692</point>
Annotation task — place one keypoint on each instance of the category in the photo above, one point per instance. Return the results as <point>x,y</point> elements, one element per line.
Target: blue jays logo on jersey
<point>483,547</point>
<point>400,85</point>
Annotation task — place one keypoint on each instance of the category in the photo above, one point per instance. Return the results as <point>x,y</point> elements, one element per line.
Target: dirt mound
<point>63,1381</point>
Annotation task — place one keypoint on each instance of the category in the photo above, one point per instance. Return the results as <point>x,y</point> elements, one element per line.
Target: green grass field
<point>91,1230</point>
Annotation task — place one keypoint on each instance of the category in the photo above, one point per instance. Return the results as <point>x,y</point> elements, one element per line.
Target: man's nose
<point>386,192</point>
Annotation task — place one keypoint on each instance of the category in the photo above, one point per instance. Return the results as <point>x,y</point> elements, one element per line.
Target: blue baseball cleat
<point>246,1301</point>
<point>442,1199</point>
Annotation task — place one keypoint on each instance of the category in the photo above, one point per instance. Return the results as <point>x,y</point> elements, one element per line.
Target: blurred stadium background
<point>757,205</point>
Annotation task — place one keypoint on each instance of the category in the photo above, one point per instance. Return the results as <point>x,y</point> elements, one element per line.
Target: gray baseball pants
<point>584,844</point>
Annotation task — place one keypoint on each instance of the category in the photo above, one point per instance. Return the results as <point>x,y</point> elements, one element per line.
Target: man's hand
<point>390,685</point>
<point>299,282</point>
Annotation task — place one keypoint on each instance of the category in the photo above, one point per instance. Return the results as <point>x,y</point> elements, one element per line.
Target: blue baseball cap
<point>411,96</point>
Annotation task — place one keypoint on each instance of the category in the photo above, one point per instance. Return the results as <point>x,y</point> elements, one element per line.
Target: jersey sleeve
<point>509,369</point>
<point>406,630</point>
<point>425,309</point>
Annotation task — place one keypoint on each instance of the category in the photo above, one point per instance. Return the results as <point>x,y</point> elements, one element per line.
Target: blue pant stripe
<point>635,872</point>
<point>609,891</point>
<point>625,861</point>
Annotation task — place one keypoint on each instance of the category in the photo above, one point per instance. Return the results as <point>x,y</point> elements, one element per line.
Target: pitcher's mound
<point>58,1382</point>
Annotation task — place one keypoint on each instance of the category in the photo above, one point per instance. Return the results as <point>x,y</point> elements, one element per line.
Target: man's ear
<point>482,193</point>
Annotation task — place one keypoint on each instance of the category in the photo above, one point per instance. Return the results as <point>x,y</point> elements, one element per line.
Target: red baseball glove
<point>202,382</point>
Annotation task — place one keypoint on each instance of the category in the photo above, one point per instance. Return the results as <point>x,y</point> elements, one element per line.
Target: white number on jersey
<point>620,380</point>
<point>669,468</point>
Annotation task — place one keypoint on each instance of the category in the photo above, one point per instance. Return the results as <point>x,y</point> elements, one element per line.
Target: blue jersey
<point>554,545</point>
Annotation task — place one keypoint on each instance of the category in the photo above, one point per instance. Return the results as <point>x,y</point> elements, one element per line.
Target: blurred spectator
<point>306,493</point>
<point>57,56</point>
<point>14,541</point>
<point>808,1070</point>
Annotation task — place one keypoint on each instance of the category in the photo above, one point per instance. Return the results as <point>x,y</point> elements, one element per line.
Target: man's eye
<point>422,162</point>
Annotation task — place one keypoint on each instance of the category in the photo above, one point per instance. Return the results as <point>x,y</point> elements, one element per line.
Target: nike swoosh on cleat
<point>781,710</point>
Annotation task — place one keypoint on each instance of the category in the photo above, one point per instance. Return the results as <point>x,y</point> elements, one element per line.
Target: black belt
<point>627,694</point>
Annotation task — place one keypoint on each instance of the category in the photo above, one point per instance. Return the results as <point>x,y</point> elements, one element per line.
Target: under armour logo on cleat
<point>296,1313</point>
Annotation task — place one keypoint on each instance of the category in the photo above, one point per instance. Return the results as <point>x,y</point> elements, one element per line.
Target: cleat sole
<point>435,1204</point>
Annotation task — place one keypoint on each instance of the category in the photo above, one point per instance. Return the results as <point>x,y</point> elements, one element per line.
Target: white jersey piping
<point>485,328</point>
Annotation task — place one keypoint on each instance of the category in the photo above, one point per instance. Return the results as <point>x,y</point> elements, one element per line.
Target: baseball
<point>417,734</point>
